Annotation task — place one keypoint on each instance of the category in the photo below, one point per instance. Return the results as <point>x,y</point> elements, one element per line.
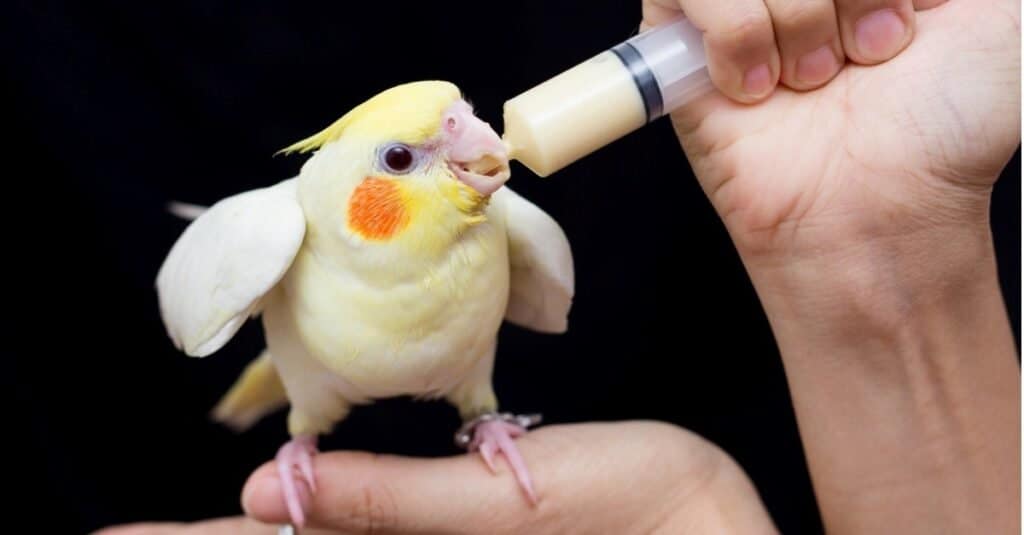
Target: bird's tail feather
<point>185,210</point>
<point>256,393</point>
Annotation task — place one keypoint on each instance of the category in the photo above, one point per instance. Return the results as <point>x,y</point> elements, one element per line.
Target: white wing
<point>542,279</point>
<point>223,264</point>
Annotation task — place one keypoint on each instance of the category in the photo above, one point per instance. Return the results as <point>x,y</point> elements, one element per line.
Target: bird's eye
<point>397,159</point>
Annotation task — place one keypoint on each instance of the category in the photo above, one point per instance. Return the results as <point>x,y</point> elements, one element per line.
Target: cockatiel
<point>385,268</point>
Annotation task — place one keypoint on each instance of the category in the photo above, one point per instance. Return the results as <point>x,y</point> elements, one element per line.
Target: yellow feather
<point>256,393</point>
<point>409,113</point>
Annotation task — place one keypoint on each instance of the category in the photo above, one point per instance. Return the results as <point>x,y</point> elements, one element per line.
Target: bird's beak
<point>476,153</point>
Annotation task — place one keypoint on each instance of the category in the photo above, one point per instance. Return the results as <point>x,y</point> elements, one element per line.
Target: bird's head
<point>413,165</point>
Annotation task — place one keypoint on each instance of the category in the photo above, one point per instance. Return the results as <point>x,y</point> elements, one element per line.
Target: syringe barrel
<point>668,66</point>
<point>600,100</point>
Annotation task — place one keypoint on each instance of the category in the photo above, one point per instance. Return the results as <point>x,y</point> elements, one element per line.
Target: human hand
<point>879,152</point>
<point>631,477</point>
<point>860,210</point>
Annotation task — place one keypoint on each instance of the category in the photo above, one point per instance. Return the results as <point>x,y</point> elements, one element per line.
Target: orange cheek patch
<point>376,210</point>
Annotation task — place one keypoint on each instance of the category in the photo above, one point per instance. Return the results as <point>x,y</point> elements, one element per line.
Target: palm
<point>802,171</point>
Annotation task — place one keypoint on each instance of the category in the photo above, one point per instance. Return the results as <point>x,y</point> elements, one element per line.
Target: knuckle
<point>749,28</point>
<point>797,15</point>
<point>373,509</point>
<point>855,8</point>
<point>378,511</point>
<point>381,510</point>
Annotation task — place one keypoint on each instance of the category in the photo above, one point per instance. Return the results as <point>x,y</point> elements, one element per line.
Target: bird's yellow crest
<point>409,113</point>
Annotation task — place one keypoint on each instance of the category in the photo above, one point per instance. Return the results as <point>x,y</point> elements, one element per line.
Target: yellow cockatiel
<point>385,268</point>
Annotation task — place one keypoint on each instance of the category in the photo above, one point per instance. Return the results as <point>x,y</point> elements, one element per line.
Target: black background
<point>112,109</point>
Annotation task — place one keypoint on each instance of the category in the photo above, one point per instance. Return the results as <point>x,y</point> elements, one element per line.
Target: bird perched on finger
<point>385,268</point>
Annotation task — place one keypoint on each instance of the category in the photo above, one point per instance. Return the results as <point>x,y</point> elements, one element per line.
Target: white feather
<point>542,278</point>
<point>223,264</point>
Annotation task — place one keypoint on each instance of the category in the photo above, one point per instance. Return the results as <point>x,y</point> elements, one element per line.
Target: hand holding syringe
<point>858,196</point>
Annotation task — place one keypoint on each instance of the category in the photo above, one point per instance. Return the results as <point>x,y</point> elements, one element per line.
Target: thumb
<point>380,494</point>
<point>589,478</point>
<point>219,526</point>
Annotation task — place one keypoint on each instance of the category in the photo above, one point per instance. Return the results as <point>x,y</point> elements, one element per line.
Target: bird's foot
<point>493,433</point>
<point>295,463</point>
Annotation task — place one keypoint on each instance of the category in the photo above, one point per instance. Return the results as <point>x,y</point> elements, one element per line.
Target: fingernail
<point>758,80</point>
<point>816,67</point>
<point>879,34</point>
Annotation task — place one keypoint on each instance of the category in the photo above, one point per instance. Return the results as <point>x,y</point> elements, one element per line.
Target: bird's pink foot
<point>294,463</point>
<point>495,433</point>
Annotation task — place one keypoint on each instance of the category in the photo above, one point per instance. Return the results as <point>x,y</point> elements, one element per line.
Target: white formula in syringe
<point>606,97</point>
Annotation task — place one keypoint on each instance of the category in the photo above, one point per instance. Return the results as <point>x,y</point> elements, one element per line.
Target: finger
<point>600,477</point>
<point>149,528</point>
<point>655,12</point>
<point>743,59</point>
<point>362,493</point>
<point>808,38</point>
<point>221,526</point>
<point>921,5</point>
<point>874,31</point>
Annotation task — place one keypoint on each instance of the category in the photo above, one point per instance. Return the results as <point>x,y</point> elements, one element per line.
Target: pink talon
<point>297,454</point>
<point>496,436</point>
<point>487,453</point>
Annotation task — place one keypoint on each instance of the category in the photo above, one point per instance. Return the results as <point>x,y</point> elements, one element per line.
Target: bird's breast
<point>417,335</point>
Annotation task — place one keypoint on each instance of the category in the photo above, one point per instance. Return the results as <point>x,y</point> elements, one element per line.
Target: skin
<point>869,246</point>
<point>365,493</point>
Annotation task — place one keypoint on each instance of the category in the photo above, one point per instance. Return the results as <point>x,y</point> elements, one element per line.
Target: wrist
<point>874,286</point>
<point>902,368</point>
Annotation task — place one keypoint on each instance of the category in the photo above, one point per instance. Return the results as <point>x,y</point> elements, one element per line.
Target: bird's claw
<point>297,454</point>
<point>464,436</point>
<point>494,433</point>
